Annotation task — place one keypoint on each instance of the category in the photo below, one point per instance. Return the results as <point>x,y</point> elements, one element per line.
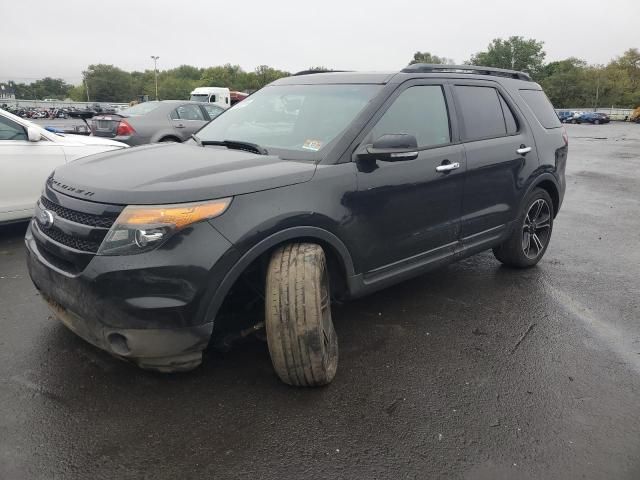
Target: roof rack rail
<point>471,69</point>
<point>310,72</point>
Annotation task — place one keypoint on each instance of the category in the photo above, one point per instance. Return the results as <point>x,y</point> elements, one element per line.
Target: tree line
<point>571,82</point>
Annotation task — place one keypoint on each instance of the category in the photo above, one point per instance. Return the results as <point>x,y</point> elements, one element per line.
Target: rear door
<point>187,119</point>
<point>500,152</point>
<point>410,211</point>
<point>25,167</point>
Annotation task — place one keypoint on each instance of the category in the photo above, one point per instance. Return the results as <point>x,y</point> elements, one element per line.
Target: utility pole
<point>86,85</point>
<point>595,107</point>
<point>155,71</point>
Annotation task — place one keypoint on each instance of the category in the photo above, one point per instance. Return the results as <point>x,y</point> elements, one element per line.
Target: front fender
<point>302,233</point>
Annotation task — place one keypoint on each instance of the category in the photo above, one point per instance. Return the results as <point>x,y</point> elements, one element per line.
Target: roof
<point>472,69</point>
<point>336,77</point>
<point>418,69</point>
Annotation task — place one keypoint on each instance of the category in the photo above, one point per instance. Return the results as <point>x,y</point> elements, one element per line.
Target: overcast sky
<point>60,38</point>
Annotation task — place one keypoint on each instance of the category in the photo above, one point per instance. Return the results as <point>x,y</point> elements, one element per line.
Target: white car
<point>28,154</point>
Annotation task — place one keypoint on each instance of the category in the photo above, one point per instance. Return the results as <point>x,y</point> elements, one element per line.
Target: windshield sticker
<point>313,145</point>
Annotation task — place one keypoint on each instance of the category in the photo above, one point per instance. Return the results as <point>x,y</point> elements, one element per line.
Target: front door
<point>409,210</point>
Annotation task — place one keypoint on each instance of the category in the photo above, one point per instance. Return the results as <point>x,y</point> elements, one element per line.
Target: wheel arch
<point>168,137</point>
<point>547,182</point>
<point>339,261</point>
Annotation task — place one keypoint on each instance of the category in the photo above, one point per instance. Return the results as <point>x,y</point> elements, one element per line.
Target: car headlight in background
<point>140,228</point>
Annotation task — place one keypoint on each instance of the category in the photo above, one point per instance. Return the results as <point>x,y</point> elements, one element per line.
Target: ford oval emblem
<point>46,218</point>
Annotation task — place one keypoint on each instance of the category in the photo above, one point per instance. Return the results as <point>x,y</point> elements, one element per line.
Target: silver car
<point>150,122</point>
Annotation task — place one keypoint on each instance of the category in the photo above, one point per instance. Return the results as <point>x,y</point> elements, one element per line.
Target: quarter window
<point>420,111</point>
<point>481,112</point>
<point>541,107</point>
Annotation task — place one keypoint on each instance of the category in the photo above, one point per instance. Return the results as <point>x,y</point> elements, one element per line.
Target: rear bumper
<point>146,308</point>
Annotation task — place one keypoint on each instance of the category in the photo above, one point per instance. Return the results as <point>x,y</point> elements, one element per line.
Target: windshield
<point>297,118</point>
<point>140,109</point>
<point>200,97</point>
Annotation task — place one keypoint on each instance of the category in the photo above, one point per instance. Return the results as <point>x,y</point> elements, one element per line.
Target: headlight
<point>140,228</point>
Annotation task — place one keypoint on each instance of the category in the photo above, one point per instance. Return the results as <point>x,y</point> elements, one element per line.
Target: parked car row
<point>596,118</point>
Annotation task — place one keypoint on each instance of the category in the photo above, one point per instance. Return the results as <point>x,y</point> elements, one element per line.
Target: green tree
<point>427,57</point>
<point>108,83</point>
<point>78,93</point>
<point>565,82</point>
<point>265,75</point>
<point>516,53</point>
<point>50,88</point>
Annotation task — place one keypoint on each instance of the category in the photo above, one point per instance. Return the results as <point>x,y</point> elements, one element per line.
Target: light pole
<point>155,71</point>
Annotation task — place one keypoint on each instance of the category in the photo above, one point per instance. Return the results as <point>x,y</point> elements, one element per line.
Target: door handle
<point>447,167</point>
<point>180,125</point>
<point>523,150</point>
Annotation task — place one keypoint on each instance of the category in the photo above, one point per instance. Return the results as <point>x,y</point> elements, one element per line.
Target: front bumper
<point>147,308</point>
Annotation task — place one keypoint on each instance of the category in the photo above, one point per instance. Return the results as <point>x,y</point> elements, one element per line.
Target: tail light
<point>565,136</point>
<point>124,129</point>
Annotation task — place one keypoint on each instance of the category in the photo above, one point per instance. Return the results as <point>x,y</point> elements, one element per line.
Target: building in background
<point>7,92</point>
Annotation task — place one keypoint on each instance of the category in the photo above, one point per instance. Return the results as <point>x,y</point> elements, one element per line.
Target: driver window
<point>10,130</point>
<point>420,111</point>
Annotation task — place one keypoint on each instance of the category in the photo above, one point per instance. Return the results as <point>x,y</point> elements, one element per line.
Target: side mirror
<point>393,148</point>
<point>33,134</point>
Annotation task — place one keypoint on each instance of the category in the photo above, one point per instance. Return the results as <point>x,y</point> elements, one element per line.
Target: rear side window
<point>188,112</point>
<point>482,115</point>
<point>541,107</point>
<point>420,111</point>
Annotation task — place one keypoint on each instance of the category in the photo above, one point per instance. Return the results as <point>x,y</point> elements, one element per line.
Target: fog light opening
<point>118,344</point>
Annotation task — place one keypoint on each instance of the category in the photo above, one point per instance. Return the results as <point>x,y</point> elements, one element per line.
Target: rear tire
<point>531,235</point>
<point>302,341</point>
<point>596,122</point>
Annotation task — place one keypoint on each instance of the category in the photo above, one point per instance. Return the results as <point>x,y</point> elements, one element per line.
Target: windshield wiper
<point>233,144</point>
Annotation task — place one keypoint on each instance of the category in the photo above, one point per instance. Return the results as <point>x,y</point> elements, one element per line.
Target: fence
<point>59,104</point>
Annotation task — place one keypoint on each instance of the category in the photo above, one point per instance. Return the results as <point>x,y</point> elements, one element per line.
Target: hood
<point>175,173</point>
<point>89,140</point>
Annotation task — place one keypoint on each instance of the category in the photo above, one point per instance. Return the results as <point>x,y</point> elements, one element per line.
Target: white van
<point>219,95</point>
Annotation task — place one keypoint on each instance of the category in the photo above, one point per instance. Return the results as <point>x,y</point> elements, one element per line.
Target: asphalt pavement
<point>475,371</point>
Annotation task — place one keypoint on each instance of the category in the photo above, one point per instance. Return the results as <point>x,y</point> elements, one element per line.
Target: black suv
<point>317,187</point>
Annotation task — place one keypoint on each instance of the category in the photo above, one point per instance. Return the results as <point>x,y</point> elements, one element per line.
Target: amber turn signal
<point>178,215</point>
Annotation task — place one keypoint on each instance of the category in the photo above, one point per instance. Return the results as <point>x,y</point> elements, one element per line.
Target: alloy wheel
<point>536,229</point>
